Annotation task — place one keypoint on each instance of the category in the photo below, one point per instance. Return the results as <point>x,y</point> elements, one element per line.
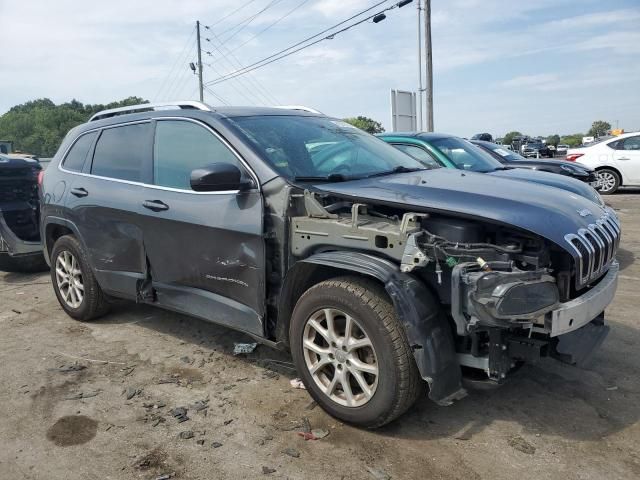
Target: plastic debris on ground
<point>378,474</point>
<point>180,414</point>
<point>297,383</point>
<point>243,348</point>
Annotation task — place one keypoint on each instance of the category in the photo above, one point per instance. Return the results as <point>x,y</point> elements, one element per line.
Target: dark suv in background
<point>308,234</point>
<point>536,149</point>
<point>20,246</point>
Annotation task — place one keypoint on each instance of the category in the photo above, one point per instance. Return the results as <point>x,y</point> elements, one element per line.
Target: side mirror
<point>218,177</point>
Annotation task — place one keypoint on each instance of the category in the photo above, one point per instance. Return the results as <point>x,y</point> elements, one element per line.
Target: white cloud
<point>493,59</point>
<point>540,80</point>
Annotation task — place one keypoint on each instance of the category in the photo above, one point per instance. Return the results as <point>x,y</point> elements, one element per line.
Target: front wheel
<point>352,353</point>
<point>609,181</point>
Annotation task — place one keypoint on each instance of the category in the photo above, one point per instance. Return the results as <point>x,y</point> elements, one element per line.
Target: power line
<point>270,25</point>
<point>178,85</point>
<point>175,63</point>
<point>232,13</point>
<point>233,85</point>
<point>234,60</point>
<point>215,95</point>
<point>379,16</point>
<point>244,23</point>
<point>301,42</point>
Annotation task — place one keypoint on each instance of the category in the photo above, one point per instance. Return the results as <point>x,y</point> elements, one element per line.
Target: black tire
<point>23,264</point>
<point>94,302</point>
<point>399,383</point>
<point>612,181</point>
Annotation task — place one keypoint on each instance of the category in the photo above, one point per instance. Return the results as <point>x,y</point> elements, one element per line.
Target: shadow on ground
<point>625,258</point>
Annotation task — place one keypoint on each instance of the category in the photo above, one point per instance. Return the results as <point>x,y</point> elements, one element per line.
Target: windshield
<point>319,148</point>
<point>504,153</point>
<point>465,155</point>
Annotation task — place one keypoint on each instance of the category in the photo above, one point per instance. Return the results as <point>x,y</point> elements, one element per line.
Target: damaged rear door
<point>205,249</point>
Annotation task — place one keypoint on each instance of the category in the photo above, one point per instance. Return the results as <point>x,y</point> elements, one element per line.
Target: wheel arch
<point>54,228</point>
<point>427,329</point>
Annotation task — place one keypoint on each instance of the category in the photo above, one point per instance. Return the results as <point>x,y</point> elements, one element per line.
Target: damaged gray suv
<point>383,278</point>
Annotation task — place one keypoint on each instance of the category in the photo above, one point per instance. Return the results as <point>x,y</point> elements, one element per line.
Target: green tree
<point>553,140</point>
<point>508,138</point>
<point>38,126</point>
<point>599,128</point>
<point>365,123</point>
<point>572,140</point>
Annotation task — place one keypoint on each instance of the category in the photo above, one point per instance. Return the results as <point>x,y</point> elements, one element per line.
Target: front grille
<point>596,247</point>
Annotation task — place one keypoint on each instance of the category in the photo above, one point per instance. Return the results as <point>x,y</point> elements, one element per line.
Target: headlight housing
<point>511,296</point>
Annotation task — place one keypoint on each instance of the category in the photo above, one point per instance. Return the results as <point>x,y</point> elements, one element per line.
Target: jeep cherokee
<point>379,275</point>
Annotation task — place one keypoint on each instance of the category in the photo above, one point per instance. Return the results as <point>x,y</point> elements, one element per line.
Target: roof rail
<point>184,104</point>
<point>299,107</point>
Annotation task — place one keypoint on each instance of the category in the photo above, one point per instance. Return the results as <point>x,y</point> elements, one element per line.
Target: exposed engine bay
<point>498,285</point>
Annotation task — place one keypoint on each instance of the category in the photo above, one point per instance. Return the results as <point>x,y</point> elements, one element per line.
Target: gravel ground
<point>97,400</point>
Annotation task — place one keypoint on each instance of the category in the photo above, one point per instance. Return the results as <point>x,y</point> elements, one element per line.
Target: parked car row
<point>442,150</point>
<point>380,271</point>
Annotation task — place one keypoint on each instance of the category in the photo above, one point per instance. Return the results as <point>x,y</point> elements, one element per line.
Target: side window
<point>121,152</point>
<point>419,154</point>
<point>181,147</point>
<point>76,157</point>
<point>631,143</point>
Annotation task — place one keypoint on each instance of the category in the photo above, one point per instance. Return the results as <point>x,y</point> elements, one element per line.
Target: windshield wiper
<point>334,177</point>
<point>398,169</point>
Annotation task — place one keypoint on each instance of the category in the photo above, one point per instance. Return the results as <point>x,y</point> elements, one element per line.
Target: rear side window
<point>121,152</point>
<point>631,143</point>
<point>181,147</point>
<point>418,153</point>
<point>76,157</point>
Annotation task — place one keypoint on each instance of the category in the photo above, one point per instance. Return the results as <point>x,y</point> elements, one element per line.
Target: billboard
<point>404,117</point>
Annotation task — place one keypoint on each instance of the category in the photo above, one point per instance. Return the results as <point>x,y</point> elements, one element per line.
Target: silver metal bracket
<point>413,256</point>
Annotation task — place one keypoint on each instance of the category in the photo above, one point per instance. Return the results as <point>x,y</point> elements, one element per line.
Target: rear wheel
<point>351,352</point>
<point>73,281</point>
<point>609,181</point>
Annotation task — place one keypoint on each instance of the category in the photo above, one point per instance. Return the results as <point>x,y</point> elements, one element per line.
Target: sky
<point>540,67</point>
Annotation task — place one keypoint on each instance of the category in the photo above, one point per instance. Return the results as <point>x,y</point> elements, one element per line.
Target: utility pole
<point>200,84</point>
<point>429,64</point>
<point>420,89</point>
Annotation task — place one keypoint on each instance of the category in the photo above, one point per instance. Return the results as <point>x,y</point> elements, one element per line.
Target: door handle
<point>155,205</point>
<point>624,158</point>
<point>79,192</point>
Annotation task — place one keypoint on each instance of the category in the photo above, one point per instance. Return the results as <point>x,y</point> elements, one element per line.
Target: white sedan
<point>616,161</point>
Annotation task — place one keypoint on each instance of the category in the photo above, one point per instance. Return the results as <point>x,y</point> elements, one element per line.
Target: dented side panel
<point>207,244</point>
<point>107,222</point>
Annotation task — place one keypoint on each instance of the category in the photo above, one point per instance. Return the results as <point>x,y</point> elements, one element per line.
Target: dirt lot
<point>93,401</point>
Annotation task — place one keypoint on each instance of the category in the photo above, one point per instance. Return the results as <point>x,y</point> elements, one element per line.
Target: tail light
<point>40,177</point>
<point>574,156</point>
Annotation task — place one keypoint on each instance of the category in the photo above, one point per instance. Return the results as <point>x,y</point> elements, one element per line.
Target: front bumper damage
<point>568,331</point>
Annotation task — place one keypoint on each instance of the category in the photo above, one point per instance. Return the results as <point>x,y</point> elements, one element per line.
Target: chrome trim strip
<point>159,187</point>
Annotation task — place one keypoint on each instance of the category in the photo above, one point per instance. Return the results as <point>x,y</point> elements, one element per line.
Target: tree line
<point>599,128</point>
<point>38,126</point>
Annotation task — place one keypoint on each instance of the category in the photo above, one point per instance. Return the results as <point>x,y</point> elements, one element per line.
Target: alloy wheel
<point>607,181</point>
<point>69,279</point>
<point>340,357</point>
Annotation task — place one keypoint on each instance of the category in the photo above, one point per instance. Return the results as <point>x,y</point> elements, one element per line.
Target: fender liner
<point>428,332</point>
